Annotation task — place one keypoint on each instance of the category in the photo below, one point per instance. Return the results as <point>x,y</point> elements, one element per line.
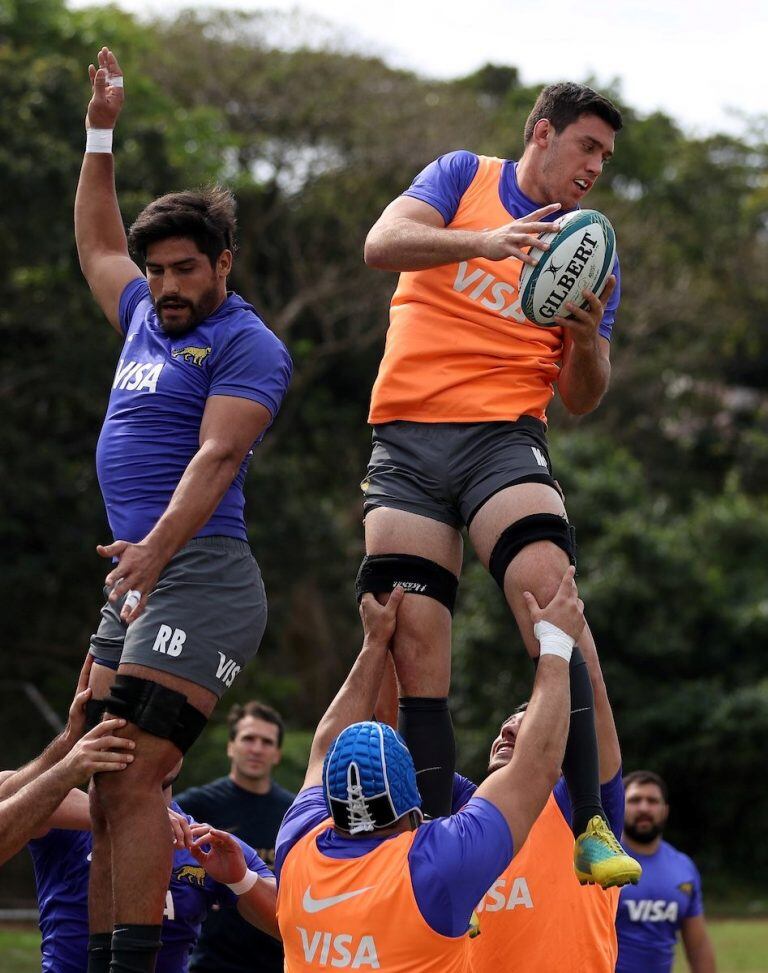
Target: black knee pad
<point>380,573</point>
<point>156,709</point>
<point>529,530</point>
<point>94,710</point>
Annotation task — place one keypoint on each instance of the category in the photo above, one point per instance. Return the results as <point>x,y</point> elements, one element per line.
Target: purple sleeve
<point>443,182</point>
<point>696,905</point>
<point>606,325</point>
<point>455,860</point>
<point>307,811</point>
<point>133,294</point>
<point>463,789</point>
<point>611,797</point>
<point>254,364</point>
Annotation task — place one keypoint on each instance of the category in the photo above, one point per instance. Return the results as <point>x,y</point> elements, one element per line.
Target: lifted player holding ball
<point>459,437</point>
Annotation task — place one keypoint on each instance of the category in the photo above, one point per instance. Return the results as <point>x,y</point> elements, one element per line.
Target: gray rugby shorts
<point>203,621</point>
<point>447,470</point>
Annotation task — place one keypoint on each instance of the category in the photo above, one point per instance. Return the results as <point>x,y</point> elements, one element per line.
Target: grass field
<point>741,946</point>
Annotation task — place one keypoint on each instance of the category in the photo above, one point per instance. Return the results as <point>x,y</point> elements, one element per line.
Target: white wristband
<point>98,140</point>
<point>553,640</point>
<point>245,884</point>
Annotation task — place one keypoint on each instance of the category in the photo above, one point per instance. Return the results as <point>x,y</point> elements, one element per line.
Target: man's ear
<point>224,263</point>
<point>542,133</point>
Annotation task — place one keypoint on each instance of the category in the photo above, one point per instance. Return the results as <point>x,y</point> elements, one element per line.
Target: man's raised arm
<point>521,788</point>
<point>356,699</point>
<point>101,243</point>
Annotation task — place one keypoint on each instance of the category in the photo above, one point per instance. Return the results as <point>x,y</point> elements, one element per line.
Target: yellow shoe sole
<point>611,878</point>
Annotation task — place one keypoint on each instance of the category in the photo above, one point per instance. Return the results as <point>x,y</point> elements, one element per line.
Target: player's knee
<point>551,530</point>
<point>380,573</point>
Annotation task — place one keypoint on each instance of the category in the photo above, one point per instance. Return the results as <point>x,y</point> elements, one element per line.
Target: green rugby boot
<point>599,859</point>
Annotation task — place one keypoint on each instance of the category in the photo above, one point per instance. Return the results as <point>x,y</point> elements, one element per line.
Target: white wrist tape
<point>553,640</point>
<point>98,140</point>
<point>245,884</point>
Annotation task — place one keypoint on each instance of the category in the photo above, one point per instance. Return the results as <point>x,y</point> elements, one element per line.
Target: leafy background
<point>666,482</point>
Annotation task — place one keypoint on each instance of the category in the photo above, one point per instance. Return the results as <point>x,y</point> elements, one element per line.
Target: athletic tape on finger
<point>132,599</point>
<point>116,80</point>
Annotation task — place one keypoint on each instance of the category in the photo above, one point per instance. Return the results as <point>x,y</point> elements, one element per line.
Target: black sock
<point>99,952</point>
<point>581,767</point>
<point>134,948</point>
<point>425,724</point>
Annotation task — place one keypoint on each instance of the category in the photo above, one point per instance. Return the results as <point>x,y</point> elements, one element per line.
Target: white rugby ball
<point>580,258</point>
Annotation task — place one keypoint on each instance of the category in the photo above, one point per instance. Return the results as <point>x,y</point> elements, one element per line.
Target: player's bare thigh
<point>154,756</point>
<point>422,648</point>
<point>539,567</point>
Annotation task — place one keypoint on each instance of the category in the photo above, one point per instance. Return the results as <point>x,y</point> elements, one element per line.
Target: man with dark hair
<point>537,911</point>
<point>459,417</point>
<point>199,381</point>
<point>668,898</point>
<point>249,804</point>
<point>564,104</point>
<point>362,882</point>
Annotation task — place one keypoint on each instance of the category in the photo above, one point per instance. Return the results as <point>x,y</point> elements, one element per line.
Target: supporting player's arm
<point>698,946</point>
<point>228,430</point>
<point>99,233</point>
<point>521,788</point>
<point>412,235</point>
<point>29,807</point>
<point>586,368</point>
<point>356,699</point>
<point>62,745</point>
<point>225,862</point>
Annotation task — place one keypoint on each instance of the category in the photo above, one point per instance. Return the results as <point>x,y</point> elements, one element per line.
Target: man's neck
<point>650,848</point>
<point>527,179</point>
<point>256,785</point>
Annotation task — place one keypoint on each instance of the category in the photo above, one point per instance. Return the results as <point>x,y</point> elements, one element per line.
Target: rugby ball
<point>580,257</point>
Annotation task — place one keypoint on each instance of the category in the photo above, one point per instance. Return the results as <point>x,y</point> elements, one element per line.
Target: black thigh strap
<point>529,530</point>
<point>380,573</point>
<point>156,709</point>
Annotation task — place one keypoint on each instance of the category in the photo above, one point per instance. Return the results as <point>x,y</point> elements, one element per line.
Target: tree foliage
<point>666,482</point>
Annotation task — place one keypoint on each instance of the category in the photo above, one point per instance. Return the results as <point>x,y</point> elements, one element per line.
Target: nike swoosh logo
<point>317,905</point>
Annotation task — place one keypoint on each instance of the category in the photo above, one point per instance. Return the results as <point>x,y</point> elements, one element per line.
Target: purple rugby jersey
<point>650,913</point>
<point>62,865</point>
<point>161,385</point>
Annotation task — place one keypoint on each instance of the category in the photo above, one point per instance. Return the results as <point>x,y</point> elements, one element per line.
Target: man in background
<point>667,898</point>
<point>249,804</point>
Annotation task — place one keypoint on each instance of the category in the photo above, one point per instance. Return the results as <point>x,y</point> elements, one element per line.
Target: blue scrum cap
<point>369,778</point>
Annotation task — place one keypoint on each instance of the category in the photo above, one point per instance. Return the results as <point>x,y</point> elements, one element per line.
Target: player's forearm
<point>26,811</point>
<point>98,224</point>
<point>401,244</point>
<point>258,906</point>
<point>356,699</point>
<point>53,753</point>
<point>584,378</point>
<point>701,957</point>
<point>199,492</point>
<point>543,734</point>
